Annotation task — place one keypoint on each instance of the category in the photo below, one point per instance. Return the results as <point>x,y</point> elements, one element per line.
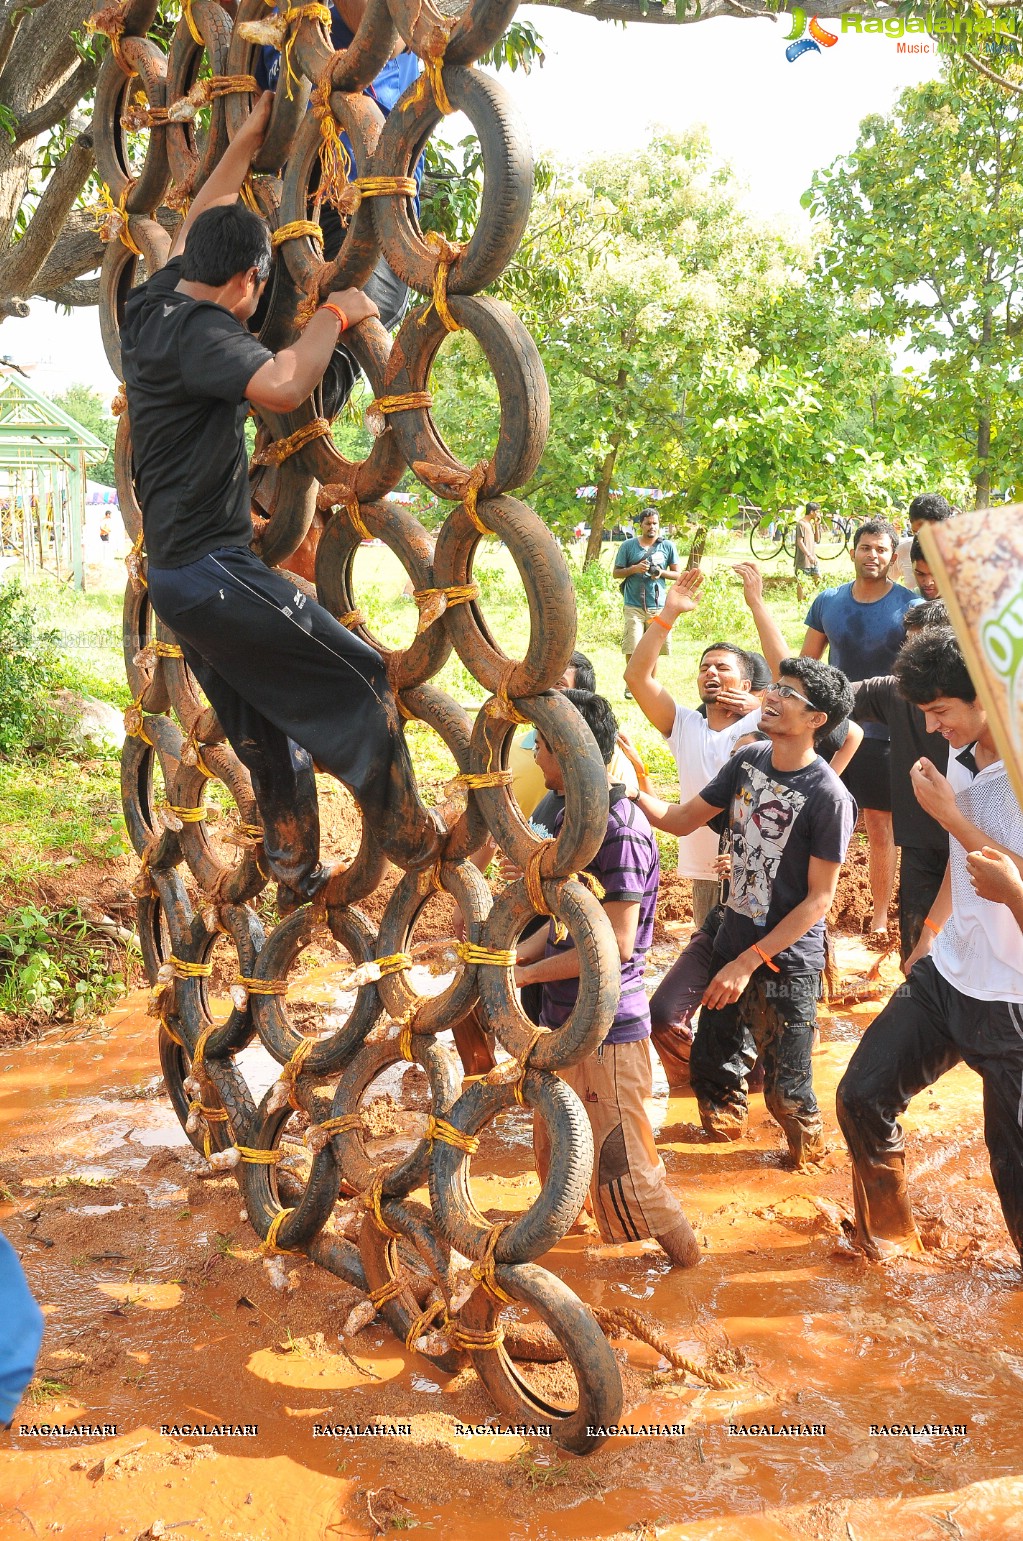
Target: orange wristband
<point>931,926</point>
<point>771,965</point>
<point>336,310</point>
<point>666,625</point>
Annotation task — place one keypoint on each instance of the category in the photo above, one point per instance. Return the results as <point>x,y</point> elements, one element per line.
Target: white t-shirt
<point>699,754</point>
<point>980,949</point>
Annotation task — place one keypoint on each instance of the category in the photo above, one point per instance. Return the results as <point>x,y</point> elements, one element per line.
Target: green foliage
<point>53,968</point>
<point>89,408</point>
<point>947,166</point>
<point>28,671</point>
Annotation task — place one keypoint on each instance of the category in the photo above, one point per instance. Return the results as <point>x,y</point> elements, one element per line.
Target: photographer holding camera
<point>644,566</point>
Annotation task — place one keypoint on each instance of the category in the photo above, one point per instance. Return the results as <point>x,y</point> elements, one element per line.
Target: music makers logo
<point>799,43</point>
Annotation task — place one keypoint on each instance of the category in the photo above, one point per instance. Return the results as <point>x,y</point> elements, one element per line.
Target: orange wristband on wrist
<point>931,926</point>
<point>665,625</point>
<point>770,963</point>
<point>336,310</point>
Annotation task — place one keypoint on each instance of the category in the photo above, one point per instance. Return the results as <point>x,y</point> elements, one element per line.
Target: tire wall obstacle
<point>445,1279</point>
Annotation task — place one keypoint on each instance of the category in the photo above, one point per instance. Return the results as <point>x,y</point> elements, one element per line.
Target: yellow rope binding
<point>375,187</point>
<point>472,1341</point>
<point>186,815</point>
<point>422,1323</point>
<point>433,79</point>
<point>262,986</point>
<point>199,1052</point>
<point>405,1043</point>
<point>276,453</point>
<point>448,253</point>
<point>111,219</point>
<point>254,1156</point>
<point>385,1292</point>
<point>483,1271</point>
<point>297,227</point>
<point>341,1124</point>
<point>270,1240</point>
<point>335,162</point>
<point>186,11</point>
<point>473,487</point>
<point>498,957</point>
<point>183,970</point>
<point>351,618</point>
<point>440,1129</point>
<point>372,1199</point>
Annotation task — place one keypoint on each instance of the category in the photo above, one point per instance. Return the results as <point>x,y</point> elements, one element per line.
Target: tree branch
<point>683,12</point>
<point>19,269</point>
<point>978,64</point>
<point>76,292</point>
<point>60,104</point>
<point>11,18</point>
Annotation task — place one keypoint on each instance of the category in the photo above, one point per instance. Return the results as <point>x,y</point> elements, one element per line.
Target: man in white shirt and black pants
<point>964,997</point>
<point>700,745</point>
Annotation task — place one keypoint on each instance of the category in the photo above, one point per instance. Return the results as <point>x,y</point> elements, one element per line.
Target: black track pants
<point>926,1028</point>
<point>921,873</point>
<point>291,686</point>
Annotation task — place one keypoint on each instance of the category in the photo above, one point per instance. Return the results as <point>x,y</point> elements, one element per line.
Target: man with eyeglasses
<point>790,820</point>
<point>290,685</point>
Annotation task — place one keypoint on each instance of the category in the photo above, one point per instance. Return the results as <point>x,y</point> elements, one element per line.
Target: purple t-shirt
<point>628,867</point>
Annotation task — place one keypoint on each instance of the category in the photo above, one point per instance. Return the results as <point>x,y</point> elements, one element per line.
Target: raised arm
<point>774,646</point>
<point>656,703</point>
<point>225,181</point>
<point>935,796</point>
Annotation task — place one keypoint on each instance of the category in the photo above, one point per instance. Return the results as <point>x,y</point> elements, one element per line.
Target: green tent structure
<point>44,456</point>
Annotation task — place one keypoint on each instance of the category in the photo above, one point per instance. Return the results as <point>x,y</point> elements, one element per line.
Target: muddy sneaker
<point>681,1245</point>
<point>721,1124</point>
<point>412,836</point>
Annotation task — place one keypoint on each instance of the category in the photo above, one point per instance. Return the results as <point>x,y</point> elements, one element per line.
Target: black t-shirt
<point>778,820</point>
<point>879,700</point>
<point>186,366</point>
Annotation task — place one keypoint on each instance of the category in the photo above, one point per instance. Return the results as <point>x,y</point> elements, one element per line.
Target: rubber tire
<point>587,1349</point>
<point>549,593</point>
<point>507,183</point>
<point>516,366</point>
<point>563,1193</point>
<point>351,928</point>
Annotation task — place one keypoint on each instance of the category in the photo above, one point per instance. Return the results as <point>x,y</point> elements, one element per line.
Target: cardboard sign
<point>977,560</point>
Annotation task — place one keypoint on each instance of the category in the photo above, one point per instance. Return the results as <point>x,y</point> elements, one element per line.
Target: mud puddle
<point>161,1317</point>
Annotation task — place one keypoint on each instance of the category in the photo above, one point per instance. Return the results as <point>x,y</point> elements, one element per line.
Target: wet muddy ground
<point>160,1313</point>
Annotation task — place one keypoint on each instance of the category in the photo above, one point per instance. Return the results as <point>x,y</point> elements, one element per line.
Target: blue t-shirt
<point>394,79</point>
<point>639,590</point>
<point>863,639</point>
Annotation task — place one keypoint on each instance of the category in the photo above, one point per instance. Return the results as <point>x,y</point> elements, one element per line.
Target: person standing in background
<point>641,567</point>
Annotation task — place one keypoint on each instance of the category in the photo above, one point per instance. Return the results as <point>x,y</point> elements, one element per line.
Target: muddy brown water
<point>160,1314</point>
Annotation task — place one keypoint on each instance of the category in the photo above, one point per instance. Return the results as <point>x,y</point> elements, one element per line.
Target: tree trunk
<point>982,479</point>
<point>599,516</point>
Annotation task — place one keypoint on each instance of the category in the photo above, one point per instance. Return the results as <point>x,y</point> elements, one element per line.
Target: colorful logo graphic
<point>800,45</point>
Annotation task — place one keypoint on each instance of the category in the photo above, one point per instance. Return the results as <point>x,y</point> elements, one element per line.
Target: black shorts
<point>868,776</point>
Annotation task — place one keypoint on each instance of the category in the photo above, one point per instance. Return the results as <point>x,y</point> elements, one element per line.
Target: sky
<point>601,89</point>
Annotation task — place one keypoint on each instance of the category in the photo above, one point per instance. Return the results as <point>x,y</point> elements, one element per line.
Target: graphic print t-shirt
<point>777,821</point>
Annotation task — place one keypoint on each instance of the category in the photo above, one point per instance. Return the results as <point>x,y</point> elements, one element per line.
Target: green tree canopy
<point>925,218</point>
